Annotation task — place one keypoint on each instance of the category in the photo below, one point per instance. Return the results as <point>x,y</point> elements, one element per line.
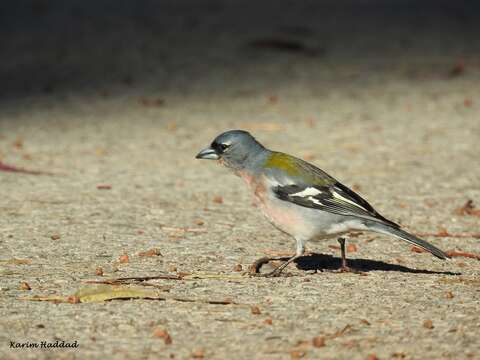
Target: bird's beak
<point>208,153</point>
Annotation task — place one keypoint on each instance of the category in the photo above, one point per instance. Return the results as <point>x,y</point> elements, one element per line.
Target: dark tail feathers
<point>412,239</point>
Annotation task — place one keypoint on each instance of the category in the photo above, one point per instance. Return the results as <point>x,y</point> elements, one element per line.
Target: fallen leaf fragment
<point>457,69</point>
<point>351,248</point>
<point>238,268</point>
<point>428,324</point>
<point>445,233</point>
<point>365,321</point>
<point>449,295</point>
<point>454,253</point>
<point>151,102</point>
<point>318,341</point>
<point>104,187</point>
<point>150,253</point>
<point>124,259</point>
<point>24,286</point>
<point>343,331</point>
<point>467,209</point>
<point>268,321</point>
<point>99,271</point>
<point>18,143</point>
<point>19,261</point>
<point>218,199</point>
<point>198,354</point>
<point>163,334</point>
<point>73,299</point>
<point>416,249</point>
<point>11,168</point>
<point>100,293</point>
<point>297,354</point>
<point>255,310</point>
<point>55,237</point>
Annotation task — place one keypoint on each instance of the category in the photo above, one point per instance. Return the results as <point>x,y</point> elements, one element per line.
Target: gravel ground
<point>119,109</point>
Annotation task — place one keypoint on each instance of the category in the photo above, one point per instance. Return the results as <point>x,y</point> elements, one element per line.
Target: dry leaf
<point>468,209</point>
<point>104,187</point>
<point>238,268</point>
<point>416,249</point>
<point>318,341</point>
<point>454,253</point>
<point>73,299</point>
<point>297,354</point>
<point>15,169</point>
<point>351,248</point>
<point>268,321</point>
<point>458,68</point>
<point>163,334</point>
<point>365,321</point>
<point>198,354</point>
<point>19,261</point>
<point>151,252</point>
<point>255,310</point>
<point>18,143</point>
<point>272,99</point>
<point>24,286</point>
<point>428,324</point>
<point>218,199</point>
<point>100,293</point>
<point>151,102</point>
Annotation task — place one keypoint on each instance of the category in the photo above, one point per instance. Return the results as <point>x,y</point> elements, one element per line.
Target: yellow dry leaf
<point>101,293</point>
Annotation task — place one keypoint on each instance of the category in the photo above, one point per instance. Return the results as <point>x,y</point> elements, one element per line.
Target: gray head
<point>234,148</point>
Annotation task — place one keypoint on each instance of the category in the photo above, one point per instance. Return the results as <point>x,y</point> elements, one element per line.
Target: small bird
<point>300,199</point>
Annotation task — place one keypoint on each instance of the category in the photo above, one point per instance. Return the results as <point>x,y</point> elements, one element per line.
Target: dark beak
<point>208,153</point>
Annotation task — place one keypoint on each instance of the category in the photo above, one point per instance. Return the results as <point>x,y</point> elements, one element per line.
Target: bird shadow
<point>322,262</point>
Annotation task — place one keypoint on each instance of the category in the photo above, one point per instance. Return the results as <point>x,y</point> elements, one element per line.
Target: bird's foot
<point>348,269</point>
<point>257,265</point>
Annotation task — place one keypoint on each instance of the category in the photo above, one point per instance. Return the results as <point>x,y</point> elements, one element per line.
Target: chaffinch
<point>299,198</point>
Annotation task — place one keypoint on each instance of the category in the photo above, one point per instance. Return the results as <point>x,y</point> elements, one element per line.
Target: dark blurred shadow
<point>321,262</point>
<point>194,47</point>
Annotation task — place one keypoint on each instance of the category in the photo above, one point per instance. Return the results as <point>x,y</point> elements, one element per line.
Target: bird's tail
<point>412,239</point>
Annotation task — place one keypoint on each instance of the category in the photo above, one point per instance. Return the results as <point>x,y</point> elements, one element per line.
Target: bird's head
<point>234,148</point>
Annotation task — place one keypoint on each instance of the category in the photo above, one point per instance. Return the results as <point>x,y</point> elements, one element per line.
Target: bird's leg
<point>341,240</point>
<point>345,267</point>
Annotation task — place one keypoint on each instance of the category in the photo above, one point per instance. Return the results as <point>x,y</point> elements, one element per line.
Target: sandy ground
<point>393,123</point>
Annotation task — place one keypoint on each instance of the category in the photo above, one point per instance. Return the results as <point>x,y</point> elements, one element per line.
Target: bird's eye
<point>224,146</point>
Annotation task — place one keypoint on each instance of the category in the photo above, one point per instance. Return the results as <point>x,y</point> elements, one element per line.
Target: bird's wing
<point>304,184</point>
<point>335,198</point>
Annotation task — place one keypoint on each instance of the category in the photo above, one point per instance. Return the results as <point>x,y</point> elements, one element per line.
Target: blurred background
<point>228,47</point>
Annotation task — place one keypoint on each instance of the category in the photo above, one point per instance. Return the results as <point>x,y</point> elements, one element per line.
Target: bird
<point>300,199</point>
